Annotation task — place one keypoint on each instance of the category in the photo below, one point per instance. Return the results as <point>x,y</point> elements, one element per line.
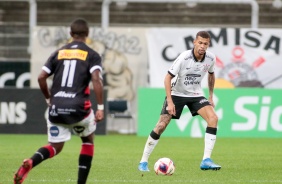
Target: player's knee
<point>212,120</point>
<point>215,118</point>
<point>58,147</point>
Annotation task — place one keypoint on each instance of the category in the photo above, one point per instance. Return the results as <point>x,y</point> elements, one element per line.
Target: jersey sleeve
<point>48,66</point>
<point>95,63</point>
<point>175,67</point>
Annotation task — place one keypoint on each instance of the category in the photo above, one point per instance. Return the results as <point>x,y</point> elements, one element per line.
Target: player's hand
<point>48,102</point>
<point>99,115</point>
<point>211,101</point>
<point>171,109</point>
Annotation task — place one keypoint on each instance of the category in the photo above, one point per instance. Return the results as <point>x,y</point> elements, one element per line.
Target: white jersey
<point>189,73</point>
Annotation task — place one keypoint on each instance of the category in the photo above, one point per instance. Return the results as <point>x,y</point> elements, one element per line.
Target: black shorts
<point>193,103</point>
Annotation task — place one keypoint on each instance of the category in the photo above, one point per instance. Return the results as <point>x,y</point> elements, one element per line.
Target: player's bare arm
<point>98,90</point>
<point>170,105</point>
<point>42,81</point>
<point>211,81</point>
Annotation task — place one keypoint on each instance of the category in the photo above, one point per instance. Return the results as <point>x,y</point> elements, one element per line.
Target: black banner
<point>24,111</point>
<point>15,74</point>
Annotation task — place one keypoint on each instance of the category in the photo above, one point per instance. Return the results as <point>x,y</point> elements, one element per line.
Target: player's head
<point>202,42</point>
<point>203,34</point>
<point>79,29</point>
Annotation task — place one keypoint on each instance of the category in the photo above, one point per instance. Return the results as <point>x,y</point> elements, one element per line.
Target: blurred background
<point>139,40</point>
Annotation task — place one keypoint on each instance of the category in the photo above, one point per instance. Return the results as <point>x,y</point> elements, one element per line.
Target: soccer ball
<point>164,166</point>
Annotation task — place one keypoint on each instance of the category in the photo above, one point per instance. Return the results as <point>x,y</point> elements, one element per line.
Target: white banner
<point>245,57</point>
<point>123,50</point>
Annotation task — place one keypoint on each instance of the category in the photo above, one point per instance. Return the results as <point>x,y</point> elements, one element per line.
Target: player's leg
<point>85,158</point>
<point>57,135</point>
<point>160,127</point>
<point>153,140</point>
<point>209,115</point>
<point>85,129</point>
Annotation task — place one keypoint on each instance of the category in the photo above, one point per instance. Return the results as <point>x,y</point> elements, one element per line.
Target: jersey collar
<point>195,59</point>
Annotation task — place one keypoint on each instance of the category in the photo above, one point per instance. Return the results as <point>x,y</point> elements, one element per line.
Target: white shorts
<point>62,132</point>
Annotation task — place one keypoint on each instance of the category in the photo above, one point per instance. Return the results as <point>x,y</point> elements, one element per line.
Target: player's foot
<point>143,166</point>
<point>21,174</point>
<point>207,164</point>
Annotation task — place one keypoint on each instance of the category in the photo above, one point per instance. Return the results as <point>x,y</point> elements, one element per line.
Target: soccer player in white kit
<point>188,70</point>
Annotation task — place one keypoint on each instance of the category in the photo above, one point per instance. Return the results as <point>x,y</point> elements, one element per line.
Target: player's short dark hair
<point>203,34</point>
<point>79,28</point>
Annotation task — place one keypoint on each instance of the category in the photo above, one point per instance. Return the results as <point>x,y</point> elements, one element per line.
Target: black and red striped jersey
<point>71,67</point>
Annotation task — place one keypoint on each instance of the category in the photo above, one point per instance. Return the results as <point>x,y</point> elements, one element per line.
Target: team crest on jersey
<point>53,111</point>
<point>206,67</point>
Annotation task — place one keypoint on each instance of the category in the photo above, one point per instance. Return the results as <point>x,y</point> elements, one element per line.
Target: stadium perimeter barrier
<point>24,111</point>
<point>242,112</point>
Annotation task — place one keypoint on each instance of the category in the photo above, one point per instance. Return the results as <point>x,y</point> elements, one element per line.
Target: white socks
<point>209,144</point>
<point>149,147</point>
<point>151,144</point>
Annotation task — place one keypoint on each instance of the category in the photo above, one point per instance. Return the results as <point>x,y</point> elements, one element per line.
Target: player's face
<point>201,45</point>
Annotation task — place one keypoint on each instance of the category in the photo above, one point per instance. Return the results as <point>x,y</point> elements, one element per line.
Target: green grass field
<point>117,156</point>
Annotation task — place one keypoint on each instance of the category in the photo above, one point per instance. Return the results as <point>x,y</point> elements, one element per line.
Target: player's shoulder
<point>210,55</point>
<point>187,54</point>
<point>76,45</point>
<point>91,51</point>
<point>83,46</point>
